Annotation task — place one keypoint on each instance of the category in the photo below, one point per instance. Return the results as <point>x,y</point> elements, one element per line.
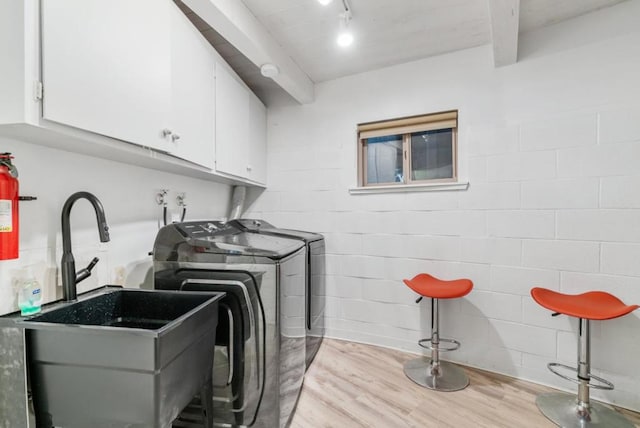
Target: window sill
<point>432,187</point>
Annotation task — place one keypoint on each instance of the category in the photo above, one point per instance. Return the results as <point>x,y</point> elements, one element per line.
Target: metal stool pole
<point>584,366</point>
<point>435,336</point>
<point>431,372</point>
<point>567,411</point>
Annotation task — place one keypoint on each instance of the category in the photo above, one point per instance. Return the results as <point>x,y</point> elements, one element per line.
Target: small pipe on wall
<point>238,198</point>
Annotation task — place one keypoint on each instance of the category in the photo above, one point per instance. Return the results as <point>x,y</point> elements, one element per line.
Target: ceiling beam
<point>235,22</point>
<point>505,17</point>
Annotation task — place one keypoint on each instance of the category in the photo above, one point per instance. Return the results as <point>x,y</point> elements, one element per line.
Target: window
<point>412,150</point>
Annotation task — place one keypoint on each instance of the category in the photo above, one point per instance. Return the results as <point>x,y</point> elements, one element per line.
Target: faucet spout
<point>68,264</point>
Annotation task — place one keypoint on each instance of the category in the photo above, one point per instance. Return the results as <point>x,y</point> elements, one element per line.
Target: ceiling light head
<point>345,36</point>
<point>324,2</point>
<point>269,70</point>
<point>344,39</point>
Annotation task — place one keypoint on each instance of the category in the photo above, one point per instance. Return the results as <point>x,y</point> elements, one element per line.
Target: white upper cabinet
<point>106,67</point>
<point>232,123</point>
<point>257,168</point>
<point>92,76</point>
<point>241,129</point>
<point>193,93</point>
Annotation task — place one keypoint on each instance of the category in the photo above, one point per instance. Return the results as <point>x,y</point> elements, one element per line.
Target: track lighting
<point>345,37</point>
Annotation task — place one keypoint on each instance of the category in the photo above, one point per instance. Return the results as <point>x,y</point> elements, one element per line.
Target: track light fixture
<point>345,36</point>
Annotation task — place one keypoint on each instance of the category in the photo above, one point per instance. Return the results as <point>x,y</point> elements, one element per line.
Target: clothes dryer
<point>315,277</point>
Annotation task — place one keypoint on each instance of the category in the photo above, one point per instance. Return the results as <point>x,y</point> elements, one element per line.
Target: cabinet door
<point>193,93</point>
<point>257,167</point>
<point>106,67</point>
<point>232,124</point>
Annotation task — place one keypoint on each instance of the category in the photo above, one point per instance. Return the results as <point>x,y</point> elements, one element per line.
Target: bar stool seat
<point>568,410</point>
<point>431,372</point>
<point>593,305</point>
<point>430,286</point>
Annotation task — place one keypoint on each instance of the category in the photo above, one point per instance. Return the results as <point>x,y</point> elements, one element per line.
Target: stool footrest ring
<point>603,383</point>
<point>427,344</point>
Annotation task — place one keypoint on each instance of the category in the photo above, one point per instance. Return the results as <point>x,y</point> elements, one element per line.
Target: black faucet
<point>69,276</point>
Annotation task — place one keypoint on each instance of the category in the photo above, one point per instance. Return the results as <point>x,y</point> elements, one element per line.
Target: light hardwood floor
<point>356,385</point>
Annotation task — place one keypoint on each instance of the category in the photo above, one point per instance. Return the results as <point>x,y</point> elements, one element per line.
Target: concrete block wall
<point>128,196</point>
<point>551,149</point>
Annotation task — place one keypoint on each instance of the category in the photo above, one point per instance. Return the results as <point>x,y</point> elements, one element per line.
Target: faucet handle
<point>86,272</point>
<point>92,263</point>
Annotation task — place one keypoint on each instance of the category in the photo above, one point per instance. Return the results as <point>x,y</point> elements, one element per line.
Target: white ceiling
<point>387,32</point>
<point>540,13</point>
<point>394,31</point>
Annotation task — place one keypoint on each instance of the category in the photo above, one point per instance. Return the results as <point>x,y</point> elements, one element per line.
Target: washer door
<point>238,373</point>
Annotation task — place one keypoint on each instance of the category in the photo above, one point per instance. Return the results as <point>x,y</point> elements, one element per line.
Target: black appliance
<point>315,288</point>
<point>260,339</point>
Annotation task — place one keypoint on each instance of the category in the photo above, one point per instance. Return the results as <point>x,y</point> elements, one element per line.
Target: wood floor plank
<point>363,386</point>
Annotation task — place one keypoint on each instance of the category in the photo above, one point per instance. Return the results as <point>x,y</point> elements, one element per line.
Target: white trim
<point>431,187</point>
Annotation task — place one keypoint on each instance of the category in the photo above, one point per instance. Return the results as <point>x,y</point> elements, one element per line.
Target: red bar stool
<point>431,372</point>
<point>564,409</point>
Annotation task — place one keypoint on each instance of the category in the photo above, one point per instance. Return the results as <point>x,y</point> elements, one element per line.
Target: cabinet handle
<point>175,137</point>
<point>166,132</point>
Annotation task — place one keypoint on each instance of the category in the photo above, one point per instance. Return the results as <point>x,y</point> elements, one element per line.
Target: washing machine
<point>260,339</point>
<point>315,288</point>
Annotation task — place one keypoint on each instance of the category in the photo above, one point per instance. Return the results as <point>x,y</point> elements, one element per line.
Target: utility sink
<point>122,358</point>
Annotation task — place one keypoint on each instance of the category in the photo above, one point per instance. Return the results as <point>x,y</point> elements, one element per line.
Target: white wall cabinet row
<point>138,72</point>
<point>240,149</point>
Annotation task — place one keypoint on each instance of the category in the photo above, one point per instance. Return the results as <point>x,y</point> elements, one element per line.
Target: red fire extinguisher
<point>9,224</point>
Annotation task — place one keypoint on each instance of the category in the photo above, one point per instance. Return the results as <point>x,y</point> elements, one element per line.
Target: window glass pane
<point>384,159</point>
<point>432,154</point>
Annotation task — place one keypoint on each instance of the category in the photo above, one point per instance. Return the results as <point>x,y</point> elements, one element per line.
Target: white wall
<point>551,146</point>
<point>128,196</point>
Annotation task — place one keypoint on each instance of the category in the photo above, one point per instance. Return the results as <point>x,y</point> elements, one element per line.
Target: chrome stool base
<point>562,409</point>
<point>443,377</point>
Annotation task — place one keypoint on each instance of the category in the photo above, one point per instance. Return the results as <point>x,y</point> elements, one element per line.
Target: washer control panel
<point>203,229</point>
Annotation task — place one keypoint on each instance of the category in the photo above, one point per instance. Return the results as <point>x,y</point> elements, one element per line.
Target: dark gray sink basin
<point>123,358</point>
<point>124,308</point>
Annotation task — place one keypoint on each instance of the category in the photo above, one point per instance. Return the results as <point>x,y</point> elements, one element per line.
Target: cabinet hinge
<point>37,91</point>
